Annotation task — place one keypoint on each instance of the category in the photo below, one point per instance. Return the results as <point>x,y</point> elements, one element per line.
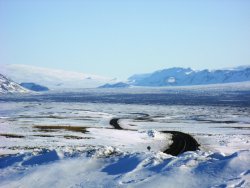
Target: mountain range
<point>186,77</point>
<point>43,79</point>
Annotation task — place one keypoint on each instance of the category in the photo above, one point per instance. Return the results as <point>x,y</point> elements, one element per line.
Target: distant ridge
<point>178,76</point>
<point>116,85</point>
<point>34,87</point>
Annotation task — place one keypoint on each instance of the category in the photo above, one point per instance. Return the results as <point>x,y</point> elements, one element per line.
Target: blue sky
<point>122,37</point>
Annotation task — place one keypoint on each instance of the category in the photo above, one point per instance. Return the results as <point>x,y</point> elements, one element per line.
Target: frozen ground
<point>55,141</point>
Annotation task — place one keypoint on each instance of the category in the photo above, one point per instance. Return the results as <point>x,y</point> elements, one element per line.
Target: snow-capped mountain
<point>188,76</point>
<point>8,86</point>
<point>52,78</point>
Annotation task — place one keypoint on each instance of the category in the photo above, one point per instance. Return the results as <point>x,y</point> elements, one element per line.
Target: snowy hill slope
<point>186,76</point>
<point>8,86</point>
<point>52,78</point>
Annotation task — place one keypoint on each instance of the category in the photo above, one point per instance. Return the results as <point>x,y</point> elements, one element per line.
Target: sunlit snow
<point>47,142</point>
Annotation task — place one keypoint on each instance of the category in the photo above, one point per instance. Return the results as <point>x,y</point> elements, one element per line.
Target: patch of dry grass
<point>12,135</point>
<point>52,128</point>
<point>76,137</point>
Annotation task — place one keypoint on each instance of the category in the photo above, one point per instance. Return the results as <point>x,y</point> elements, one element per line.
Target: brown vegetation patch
<point>53,128</point>
<point>12,136</point>
<point>43,135</point>
<point>76,137</point>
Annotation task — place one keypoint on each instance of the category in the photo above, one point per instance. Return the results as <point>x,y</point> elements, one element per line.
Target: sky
<point>119,38</point>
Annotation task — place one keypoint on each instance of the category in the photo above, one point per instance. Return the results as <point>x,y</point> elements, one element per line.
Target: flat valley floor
<point>66,139</point>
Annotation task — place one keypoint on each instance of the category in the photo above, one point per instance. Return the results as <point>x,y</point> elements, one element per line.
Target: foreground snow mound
<point>105,151</point>
<point>191,169</point>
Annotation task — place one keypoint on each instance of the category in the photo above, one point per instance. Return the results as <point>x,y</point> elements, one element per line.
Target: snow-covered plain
<point>51,143</point>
